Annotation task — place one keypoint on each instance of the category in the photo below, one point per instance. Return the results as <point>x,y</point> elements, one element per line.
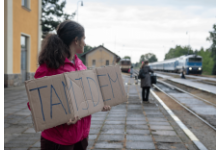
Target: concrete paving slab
<point>140,145</point>
<point>112,138</point>
<point>11,111</point>
<point>6,125</point>
<point>135,112</point>
<point>23,113</point>
<point>90,144</point>
<point>159,123</point>
<point>162,132</point>
<point>17,149</point>
<point>113,126</point>
<point>166,139</point>
<point>98,118</point>
<point>139,138</point>
<point>137,132</point>
<point>95,126</point>
<point>170,146</point>
<point>37,144</point>
<point>93,136</point>
<point>156,119</point>
<point>136,122</point>
<point>112,131</point>
<point>94,131</point>
<point>154,127</point>
<point>117,115</point>
<point>30,130</point>
<point>139,127</point>
<point>97,122</point>
<point>115,118</point>
<point>135,118</point>
<point>155,115</point>
<point>15,129</point>
<point>108,145</point>
<point>115,122</point>
<point>136,115</point>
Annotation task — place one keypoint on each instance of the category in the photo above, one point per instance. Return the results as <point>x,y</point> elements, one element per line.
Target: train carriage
<point>191,63</point>
<point>125,65</point>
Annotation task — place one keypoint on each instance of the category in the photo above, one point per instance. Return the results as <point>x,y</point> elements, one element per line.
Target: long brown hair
<point>55,47</point>
<point>145,63</point>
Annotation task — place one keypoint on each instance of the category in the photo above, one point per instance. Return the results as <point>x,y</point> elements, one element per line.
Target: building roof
<point>95,48</point>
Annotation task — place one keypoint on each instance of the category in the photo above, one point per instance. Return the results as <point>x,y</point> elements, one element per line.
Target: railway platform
<point>192,76</point>
<point>191,83</point>
<point>132,125</point>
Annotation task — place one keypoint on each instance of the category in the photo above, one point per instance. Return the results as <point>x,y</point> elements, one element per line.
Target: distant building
<point>22,37</point>
<point>100,56</point>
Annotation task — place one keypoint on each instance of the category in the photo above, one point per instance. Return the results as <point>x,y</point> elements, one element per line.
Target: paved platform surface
<point>132,125</point>
<point>190,82</point>
<point>192,76</point>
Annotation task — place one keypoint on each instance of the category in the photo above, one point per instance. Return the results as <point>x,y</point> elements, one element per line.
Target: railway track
<point>200,108</point>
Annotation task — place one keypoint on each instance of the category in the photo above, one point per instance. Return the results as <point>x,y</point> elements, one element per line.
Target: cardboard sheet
<point>55,99</point>
<point>111,85</point>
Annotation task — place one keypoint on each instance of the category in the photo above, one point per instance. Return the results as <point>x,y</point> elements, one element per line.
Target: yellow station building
<point>100,56</point>
<point>22,40</point>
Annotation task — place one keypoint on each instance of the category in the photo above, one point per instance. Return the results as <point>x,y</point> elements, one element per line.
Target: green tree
<point>127,57</point>
<point>52,15</point>
<point>207,61</point>
<point>86,49</point>
<point>149,56</point>
<point>212,38</point>
<point>178,51</point>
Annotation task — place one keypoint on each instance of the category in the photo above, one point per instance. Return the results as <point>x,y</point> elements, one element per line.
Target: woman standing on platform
<point>146,82</point>
<point>57,52</point>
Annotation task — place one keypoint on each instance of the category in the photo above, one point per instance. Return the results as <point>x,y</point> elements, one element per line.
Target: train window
<point>126,63</point>
<point>195,59</point>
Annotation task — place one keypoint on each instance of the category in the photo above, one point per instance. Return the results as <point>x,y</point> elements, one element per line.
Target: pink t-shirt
<point>65,134</point>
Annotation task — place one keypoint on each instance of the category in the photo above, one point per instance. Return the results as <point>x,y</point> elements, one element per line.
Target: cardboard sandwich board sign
<point>55,99</point>
<point>111,85</point>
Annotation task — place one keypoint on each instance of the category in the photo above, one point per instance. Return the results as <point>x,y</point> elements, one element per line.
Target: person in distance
<point>146,82</point>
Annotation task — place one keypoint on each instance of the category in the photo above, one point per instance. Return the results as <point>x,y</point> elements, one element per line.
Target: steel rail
<point>186,108</point>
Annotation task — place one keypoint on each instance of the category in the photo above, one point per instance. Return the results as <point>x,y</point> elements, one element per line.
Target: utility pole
<point>189,41</point>
<point>77,9</point>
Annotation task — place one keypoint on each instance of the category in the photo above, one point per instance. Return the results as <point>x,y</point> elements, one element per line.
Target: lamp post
<point>189,41</point>
<point>164,52</point>
<point>77,8</point>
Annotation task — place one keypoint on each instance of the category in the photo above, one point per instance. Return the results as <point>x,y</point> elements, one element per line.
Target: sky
<point>136,27</point>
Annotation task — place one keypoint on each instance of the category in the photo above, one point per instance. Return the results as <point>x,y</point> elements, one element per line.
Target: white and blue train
<point>191,63</point>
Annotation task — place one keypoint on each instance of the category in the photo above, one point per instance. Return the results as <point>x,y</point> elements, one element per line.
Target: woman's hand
<point>106,108</point>
<point>75,119</point>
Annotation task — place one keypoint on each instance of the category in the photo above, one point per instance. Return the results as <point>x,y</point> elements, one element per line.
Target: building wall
<point>20,21</point>
<point>100,55</point>
<point>25,22</point>
<point>5,36</point>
